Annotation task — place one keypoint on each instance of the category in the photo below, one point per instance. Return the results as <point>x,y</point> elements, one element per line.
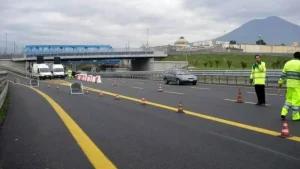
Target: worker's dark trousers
<point>260,93</point>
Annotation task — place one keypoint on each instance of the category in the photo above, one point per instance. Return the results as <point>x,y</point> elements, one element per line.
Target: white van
<point>41,71</point>
<point>58,71</point>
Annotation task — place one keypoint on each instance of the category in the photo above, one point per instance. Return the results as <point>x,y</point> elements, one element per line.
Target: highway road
<point>48,127</point>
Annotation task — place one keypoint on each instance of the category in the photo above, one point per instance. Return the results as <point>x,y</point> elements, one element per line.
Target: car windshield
<point>58,70</point>
<point>44,70</point>
<point>183,72</point>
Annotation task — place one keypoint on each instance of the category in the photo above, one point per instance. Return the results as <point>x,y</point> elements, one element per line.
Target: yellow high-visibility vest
<point>291,74</point>
<point>258,74</point>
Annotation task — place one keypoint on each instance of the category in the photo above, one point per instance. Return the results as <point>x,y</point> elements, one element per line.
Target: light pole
<point>5,43</point>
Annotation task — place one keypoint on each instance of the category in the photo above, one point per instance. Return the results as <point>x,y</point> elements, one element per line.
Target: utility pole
<point>14,47</point>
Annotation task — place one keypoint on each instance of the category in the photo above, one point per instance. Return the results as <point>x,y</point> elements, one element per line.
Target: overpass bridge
<point>85,52</point>
<point>139,59</point>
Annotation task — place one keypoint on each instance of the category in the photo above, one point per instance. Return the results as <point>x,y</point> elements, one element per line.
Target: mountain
<point>273,30</point>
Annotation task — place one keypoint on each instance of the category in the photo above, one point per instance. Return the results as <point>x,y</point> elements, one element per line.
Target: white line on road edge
<point>172,92</point>
<point>137,87</point>
<point>200,88</point>
<point>270,94</point>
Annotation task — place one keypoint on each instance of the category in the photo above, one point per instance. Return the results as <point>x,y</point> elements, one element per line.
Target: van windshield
<point>44,70</point>
<point>58,70</point>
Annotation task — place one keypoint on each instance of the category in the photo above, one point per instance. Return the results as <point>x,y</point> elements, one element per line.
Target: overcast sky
<point>116,22</point>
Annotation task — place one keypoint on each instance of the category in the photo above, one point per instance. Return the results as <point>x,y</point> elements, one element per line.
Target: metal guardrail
<point>3,87</point>
<point>228,77</point>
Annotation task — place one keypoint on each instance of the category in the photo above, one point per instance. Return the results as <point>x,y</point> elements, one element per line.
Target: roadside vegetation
<point>3,109</point>
<point>232,61</point>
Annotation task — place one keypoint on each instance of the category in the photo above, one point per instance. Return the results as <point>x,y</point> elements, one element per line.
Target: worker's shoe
<point>282,117</point>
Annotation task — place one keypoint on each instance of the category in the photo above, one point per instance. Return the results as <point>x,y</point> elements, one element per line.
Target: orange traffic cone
<point>239,98</point>
<point>101,94</point>
<point>143,102</point>
<point>159,88</point>
<point>285,130</point>
<point>117,97</point>
<point>180,109</point>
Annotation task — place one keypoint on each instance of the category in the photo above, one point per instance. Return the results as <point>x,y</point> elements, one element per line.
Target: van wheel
<point>178,82</point>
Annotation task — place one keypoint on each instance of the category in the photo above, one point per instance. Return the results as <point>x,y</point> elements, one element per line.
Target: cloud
<point>116,22</point>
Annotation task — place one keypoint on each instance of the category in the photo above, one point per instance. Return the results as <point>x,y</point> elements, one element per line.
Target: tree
<point>232,42</point>
<point>243,64</point>
<point>217,63</point>
<point>261,42</point>
<point>211,63</point>
<point>282,44</point>
<point>277,63</point>
<point>195,62</point>
<point>205,64</point>
<point>273,65</point>
<point>229,62</point>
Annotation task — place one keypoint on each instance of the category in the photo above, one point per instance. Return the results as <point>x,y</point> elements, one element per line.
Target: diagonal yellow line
<point>94,154</point>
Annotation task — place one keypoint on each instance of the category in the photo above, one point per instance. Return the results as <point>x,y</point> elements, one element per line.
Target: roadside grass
<point>3,109</point>
<point>221,61</point>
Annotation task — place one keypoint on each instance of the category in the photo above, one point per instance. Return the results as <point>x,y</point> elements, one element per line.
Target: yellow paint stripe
<point>94,154</point>
<point>216,119</point>
<point>270,94</point>
<point>231,100</point>
<point>172,92</point>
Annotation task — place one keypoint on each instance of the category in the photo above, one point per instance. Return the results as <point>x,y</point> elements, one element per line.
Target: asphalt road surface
<point>214,133</point>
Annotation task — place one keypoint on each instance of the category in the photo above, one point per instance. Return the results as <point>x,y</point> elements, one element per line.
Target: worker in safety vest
<point>258,77</point>
<point>70,74</point>
<point>291,75</point>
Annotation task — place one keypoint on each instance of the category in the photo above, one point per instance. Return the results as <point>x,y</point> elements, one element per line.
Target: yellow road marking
<point>200,88</point>
<point>137,87</point>
<point>216,119</point>
<point>172,92</point>
<point>270,94</point>
<point>94,154</point>
<point>231,100</point>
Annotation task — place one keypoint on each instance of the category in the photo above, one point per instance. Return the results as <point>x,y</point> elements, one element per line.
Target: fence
<point>3,87</point>
<point>228,77</point>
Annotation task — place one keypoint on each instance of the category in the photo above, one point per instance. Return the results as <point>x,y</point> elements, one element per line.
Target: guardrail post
<point>211,79</point>
<point>219,77</point>
<point>236,79</point>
